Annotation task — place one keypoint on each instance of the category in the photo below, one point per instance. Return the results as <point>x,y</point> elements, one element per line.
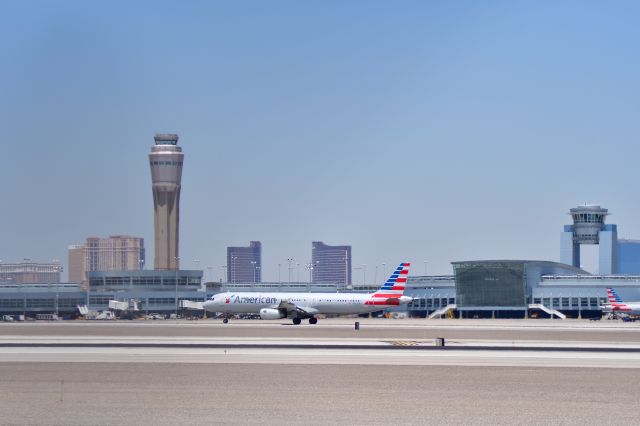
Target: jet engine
<point>272,313</point>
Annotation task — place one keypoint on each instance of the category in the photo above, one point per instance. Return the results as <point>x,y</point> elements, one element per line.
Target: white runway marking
<point>325,356</point>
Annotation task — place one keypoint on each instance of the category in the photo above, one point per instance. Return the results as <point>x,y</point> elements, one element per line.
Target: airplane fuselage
<point>630,308</point>
<point>316,303</point>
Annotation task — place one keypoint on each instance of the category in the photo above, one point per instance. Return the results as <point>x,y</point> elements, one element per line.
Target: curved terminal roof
<point>561,268</point>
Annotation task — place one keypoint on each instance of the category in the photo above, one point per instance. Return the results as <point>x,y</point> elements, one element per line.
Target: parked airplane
<point>299,306</point>
<point>616,305</point>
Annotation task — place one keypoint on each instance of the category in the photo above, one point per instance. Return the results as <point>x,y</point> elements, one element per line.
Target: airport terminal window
<point>489,283</point>
<point>537,300</point>
<point>162,301</point>
<point>146,281</point>
<point>11,303</point>
<point>429,303</point>
<point>556,301</point>
<point>565,302</point>
<point>116,281</point>
<point>584,302</point>
<point>40,303</point>
<point>574,302</point>
<point>546,301</point>
<point>452,301</point>
<point>593,301</point>
<point>70,303</point>
<point>99,300</point>
<point>96,282</point>
<point>443,302</point>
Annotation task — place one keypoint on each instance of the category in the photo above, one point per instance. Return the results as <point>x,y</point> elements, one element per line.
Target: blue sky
<point>435,131</point>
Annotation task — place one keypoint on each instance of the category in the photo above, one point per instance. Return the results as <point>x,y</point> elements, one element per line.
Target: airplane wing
<point>298,310</point>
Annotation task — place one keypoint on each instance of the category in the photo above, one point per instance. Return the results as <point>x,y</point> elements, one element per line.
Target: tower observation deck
<point>166,159</point>
<point>589,228</point>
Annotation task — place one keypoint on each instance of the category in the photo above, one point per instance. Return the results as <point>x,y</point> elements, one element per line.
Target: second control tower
<point>165,160</point>
<point>589,228</point>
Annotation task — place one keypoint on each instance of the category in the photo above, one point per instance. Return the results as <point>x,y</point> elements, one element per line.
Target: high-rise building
<point>166,160</point>
<point>244,264</point>
<point>75,267</point>
<point>628,257</point>
<point>331,264</point>
<point>29,272</point>
<point>115,253</point>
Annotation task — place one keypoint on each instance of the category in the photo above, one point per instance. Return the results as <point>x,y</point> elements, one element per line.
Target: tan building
<point>115,253</point>
<point>76,264</point>
<point>166,160</point>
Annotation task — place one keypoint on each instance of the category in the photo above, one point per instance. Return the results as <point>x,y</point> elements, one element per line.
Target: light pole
<point>233,269</point>
<point>210,269</point>
<point>364,274</point>
<point>253,264</point>
<point>297,272</point>
<point>425,267</point>
<point>384,271</point>
<point>375,276</point>
<point>279,266</point>
<point>177,259</point>
<point>224,272</point>
<point>258,268</point>
<point>290,259</point>
<point>309,267</point>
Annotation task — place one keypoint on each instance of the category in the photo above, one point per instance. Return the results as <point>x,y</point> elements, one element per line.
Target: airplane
<point>616,305</point>
<point>299,306</point>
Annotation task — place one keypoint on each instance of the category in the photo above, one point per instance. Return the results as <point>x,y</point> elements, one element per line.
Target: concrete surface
<point>194,394</point>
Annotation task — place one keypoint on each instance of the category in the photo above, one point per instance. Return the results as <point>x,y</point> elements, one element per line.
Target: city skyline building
<point>331,264</point>
<point>165,161</point>
<point>75,264</point>
<point>28,272</point>
<point>628,257</point>
<point>114,253</point>
<point>244,264</point>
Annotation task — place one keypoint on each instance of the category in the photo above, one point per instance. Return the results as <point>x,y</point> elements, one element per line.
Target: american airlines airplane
<point>616,305</point>
<point>299,306</point>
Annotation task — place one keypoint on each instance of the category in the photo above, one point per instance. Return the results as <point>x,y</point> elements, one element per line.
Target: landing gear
<point>313,320</point>
<point>297,321</point>
<point>225,320</point>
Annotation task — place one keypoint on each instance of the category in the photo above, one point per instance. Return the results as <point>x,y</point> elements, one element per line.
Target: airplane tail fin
<point>616,301</point>
<point>613,296</point>
<point>394,287</point>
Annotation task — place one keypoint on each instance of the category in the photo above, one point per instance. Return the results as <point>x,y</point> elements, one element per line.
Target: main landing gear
<point>225,320</point>
<point>312,320</point>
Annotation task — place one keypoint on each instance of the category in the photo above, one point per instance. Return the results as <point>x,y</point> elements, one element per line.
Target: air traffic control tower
<point>589,228</point>
<point>165,160</point>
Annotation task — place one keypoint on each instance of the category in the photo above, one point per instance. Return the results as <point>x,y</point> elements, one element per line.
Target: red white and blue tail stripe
<point>391,291</point>
<point>616,302</point>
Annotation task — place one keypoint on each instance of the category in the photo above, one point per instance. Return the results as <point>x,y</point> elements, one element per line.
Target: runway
<point>258,372</point>
<point>614,332</point>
